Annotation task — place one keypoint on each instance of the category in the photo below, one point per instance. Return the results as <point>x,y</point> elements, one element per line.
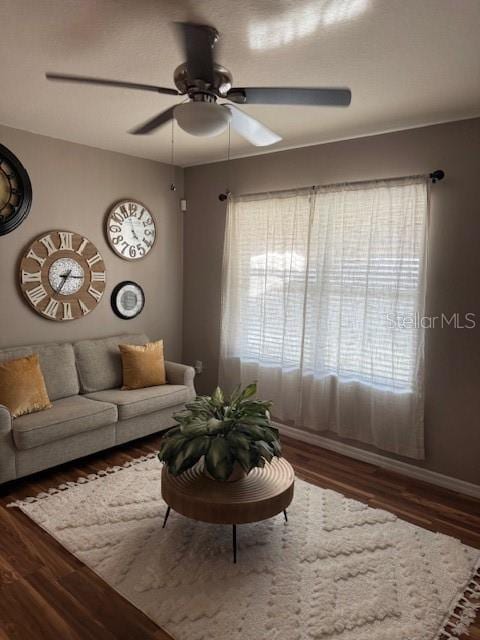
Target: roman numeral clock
<point>62,275</point>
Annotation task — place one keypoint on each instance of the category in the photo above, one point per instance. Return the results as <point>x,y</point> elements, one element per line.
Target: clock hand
<point>61,286</point>
<point>133,230</point>
<point>65,277</point>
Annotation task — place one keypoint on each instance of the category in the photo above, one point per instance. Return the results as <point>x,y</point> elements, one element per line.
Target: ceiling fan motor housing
<point>221,85</point>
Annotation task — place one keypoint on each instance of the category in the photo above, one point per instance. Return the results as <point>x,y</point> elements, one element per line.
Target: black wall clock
<point>127,300</point>
<point>15,192</point>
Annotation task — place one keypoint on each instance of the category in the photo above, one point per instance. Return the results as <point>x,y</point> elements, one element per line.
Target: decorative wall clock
<point>15,192</point>
<point>127,300</point>
<point>62,275</point>
<point>130,230</point>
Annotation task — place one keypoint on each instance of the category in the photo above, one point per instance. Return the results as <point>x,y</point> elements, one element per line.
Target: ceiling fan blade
<point>291,95</point>
<point>198,42</point>
<point>60,77</point>
<point>251,129</point>
<point>154,123</point>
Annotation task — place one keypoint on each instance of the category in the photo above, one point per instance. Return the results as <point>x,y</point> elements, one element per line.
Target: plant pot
<point>238,473</point>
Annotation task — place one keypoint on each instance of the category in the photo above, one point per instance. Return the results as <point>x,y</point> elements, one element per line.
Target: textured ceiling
<point>408,63</point>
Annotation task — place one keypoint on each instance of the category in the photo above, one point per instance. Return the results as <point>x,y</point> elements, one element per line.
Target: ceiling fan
<point>204,82</point>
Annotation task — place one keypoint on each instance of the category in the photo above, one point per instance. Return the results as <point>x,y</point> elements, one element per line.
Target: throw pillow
<point>143,366</point>
<point>22,386</point>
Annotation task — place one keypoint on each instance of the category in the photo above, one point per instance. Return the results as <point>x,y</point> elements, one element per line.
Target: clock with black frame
<point>128,300</point>
<point>15,191</point>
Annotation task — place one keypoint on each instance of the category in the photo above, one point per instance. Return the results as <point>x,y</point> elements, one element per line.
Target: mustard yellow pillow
<point>143,366</point>
<point>22,386</point>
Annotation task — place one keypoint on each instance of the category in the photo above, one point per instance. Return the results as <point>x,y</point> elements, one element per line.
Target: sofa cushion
<point>57,362</point>
<point>138,402</point>
<point>98,361</point>
<point>67,417</point>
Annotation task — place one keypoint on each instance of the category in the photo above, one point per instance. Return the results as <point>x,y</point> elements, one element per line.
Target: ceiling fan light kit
<point>203,119</point>
<point>204,82</point>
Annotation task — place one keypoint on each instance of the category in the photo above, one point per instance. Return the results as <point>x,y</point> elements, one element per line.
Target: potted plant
<point>233,435</point>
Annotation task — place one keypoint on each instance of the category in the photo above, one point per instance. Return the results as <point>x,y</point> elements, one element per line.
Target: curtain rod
<point>434,176</point>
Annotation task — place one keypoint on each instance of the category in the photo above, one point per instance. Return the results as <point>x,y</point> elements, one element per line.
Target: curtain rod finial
<point>437,175</point>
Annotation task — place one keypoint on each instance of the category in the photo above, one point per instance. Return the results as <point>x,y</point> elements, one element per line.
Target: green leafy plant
<point>223,430</point>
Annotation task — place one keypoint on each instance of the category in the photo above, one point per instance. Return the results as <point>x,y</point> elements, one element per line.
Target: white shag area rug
<point>338,570</point>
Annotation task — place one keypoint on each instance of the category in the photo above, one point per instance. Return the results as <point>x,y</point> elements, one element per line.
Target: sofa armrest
<point>7,448</point>
<point>181,374</point>
<point>5,420</point>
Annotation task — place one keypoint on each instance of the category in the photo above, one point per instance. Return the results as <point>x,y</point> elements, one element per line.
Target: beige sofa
<point>90,412</point>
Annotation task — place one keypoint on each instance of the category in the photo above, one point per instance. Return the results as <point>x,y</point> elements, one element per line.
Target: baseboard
<point>447,482</point>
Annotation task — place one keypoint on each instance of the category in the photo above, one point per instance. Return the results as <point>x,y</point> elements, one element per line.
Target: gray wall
<point>452,356</point>
<point>73,187</point>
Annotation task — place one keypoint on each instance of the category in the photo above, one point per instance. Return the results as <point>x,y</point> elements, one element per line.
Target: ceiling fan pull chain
<point>229,149</point>
<point>172,157</point>
<point>224,196</point>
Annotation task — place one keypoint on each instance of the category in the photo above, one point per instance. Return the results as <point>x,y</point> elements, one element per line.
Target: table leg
<point>235,543</point>
<point>166,518</point>
<point>285,515</point>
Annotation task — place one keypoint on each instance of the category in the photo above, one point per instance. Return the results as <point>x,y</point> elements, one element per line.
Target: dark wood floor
<point>45,593</point>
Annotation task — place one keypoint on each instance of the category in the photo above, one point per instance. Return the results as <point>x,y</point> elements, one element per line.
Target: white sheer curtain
<point>323,290</point>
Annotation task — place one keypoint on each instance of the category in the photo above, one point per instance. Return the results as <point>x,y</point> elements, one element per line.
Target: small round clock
<point>62,275</point>
<point>15,192</point>
<point>130,230</point>
<point>127,300</point>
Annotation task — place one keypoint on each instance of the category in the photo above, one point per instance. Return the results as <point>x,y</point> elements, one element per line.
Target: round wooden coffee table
<point>261,494</point>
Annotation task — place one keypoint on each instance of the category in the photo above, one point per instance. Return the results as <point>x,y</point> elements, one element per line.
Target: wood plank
<point>45,549</point>
<point>71,609</point>
<point>105,604</point>
<point>24,613</point>
<point>14,550</point>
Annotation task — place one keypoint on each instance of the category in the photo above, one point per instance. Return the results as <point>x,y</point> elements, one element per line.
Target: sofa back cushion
<point>57,362</point>
<point>99,363</point>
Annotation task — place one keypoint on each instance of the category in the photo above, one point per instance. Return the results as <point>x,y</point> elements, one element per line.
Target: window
<point>328,283</point>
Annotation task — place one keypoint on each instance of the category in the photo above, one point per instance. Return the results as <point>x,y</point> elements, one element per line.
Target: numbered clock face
<point>15,192</point>
<point>130,230</point>
<point>62,275</point>
<point>128,300</point>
